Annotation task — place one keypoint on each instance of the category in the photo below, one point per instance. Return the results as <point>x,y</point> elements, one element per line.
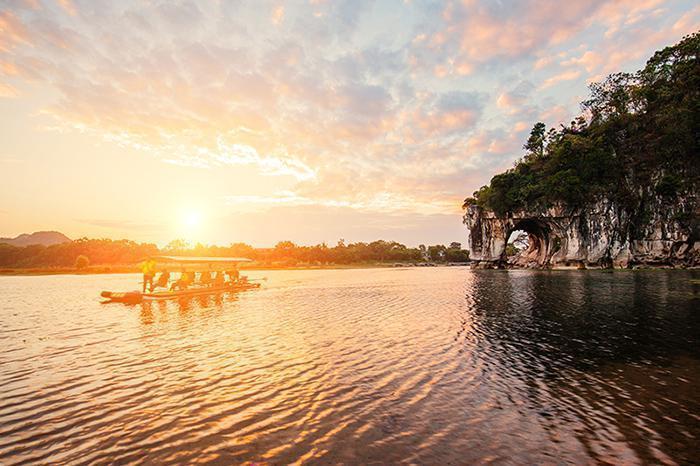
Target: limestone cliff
<point>602,234</point>
<point>617,187</point>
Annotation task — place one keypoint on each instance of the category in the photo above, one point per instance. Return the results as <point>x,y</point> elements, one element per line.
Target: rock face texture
<point>603,234</point>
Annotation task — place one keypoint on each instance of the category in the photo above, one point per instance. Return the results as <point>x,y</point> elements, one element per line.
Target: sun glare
<point>190,224</point>
<point>191,219</point>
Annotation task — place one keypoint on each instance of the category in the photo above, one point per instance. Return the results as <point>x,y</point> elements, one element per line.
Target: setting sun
<point>190,224</point>
<point>192,219</point>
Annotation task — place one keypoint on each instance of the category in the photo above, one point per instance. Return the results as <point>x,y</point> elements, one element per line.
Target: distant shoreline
<point>123,269</point>
<point>105,270</point>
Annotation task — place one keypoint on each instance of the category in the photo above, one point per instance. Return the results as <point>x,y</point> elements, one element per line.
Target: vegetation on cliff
<point>637,136</point>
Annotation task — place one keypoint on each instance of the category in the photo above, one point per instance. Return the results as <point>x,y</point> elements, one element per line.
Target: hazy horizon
<point>310,122</point>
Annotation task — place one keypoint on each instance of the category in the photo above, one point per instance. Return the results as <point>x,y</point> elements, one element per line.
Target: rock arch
<point>489,233</point>
<point>601,234</point>
<point>539,233</point>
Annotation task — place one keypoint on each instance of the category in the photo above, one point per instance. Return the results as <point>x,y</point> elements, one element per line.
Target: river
<point>414,365</point>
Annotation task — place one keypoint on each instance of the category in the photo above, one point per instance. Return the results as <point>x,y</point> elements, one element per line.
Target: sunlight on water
<point>355,366</point>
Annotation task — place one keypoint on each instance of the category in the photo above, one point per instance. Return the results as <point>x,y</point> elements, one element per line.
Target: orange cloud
<point>484,31</point>
<point>7,91</point>
<point>277,14</point>
<point>342,111</point>
<point>68,7</point>
<point>563,76</point>
<point>690,21</point>
<point>12,31</point>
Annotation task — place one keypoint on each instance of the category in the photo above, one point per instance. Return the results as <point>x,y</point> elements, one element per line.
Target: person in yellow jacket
<point>149,272</point>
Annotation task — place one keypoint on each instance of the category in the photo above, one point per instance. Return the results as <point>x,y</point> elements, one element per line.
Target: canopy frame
<point>199,259</point>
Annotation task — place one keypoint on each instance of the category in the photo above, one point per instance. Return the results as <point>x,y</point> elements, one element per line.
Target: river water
<point>430,366</point>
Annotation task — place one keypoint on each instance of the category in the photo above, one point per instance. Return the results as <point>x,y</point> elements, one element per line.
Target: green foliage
<point>536,142</point>
<point>81,262</point>
<point>633,127</point>
<point>456,255</point>
<point>469,201</point>
<point>668,185</point>
<point>556,244</point>
<point>511,250</point>
<point>285,253</point>
<point>176,246</point>
<point>100,251</point>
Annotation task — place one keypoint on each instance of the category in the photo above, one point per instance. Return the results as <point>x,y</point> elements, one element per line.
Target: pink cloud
<point>8,68</point>
<point>7,91</point>
<point>610,57</point>
<point>555,115</point>
<point>690,21</point>
<point>567,75</point>
<point>348,116</point>
<point>12,31</point>
<point>277,15</point>
<point>620,13</point>
<point>511,102</point>
<point>68,6</point>
<point>485,31</point>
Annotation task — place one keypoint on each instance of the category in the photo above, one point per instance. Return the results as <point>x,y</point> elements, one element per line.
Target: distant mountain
<point>47,238</point>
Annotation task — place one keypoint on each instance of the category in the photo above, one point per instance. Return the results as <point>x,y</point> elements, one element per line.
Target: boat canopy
<point>199,260</point>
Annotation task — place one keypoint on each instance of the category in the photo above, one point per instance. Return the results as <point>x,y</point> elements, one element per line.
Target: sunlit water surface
<point>432,366</point>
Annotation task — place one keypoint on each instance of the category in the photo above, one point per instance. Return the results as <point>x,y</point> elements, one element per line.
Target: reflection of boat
<point>135,297</point>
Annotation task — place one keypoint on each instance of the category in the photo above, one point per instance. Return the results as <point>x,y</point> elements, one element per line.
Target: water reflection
<point>432,366</point>
<point>618,358</point>
<point>186,308</point>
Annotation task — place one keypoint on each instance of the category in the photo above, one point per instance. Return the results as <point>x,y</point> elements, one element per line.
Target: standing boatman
<point>149,272</point>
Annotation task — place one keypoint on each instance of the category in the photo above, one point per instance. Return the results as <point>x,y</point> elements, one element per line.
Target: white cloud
<point>357,111</point>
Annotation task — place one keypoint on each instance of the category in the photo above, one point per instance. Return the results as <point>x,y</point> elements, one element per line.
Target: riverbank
<point>99,270</point>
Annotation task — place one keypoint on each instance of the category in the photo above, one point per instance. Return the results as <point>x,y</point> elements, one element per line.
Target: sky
<point>310,121</point>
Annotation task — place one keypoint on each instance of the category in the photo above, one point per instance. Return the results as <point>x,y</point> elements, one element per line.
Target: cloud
<point>690,21</point>
<point>277,14</point>
<point>344,104</point>
<point>123,225</point>
<point>314,224</point>
<point>556,115</point>
<point>563,76</point>
<point>441,115</point>
<point>13,32</point>
<point>379,202</point>
<point>7,91</point>
<point>632,31</point>
<point>68,6</point>
<point>621,13</point>
<point>514,99</point>
<point>475,33</point>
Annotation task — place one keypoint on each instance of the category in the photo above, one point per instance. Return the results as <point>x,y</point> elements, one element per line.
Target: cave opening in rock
<point>518,242</point>
<point>527,242</point>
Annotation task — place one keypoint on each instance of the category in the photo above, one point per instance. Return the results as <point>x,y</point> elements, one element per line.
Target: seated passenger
<point>183,282</point>
<point>233,275</point>
<point>163,280</point>
<point>205,278</point>
<point>219,279</point>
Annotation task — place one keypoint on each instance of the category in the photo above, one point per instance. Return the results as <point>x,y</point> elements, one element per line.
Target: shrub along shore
<point>96,256</point>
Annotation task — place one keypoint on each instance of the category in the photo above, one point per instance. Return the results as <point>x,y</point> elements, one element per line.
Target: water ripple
<point>442,365</point>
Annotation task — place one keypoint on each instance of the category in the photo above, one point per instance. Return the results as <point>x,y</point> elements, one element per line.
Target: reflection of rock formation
<point>599,235</point>
<point>607,360</point>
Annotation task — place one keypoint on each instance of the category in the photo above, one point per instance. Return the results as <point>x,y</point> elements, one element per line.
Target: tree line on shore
<point>84,252</point>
